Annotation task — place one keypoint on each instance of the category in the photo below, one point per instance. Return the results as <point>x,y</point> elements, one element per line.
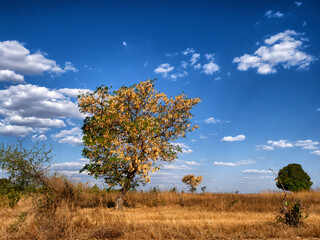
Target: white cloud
<point>164,69</point>
<point>192,163</point>
<point>317,152</point>
<point>201,136</point>
<point>197,66</point>
<point>35,122</point>
<point>235,164</point>
<point>210,68</point>
<point>34,101</point>
<point>12,130</point>
<point>73,92</point>
<point>211,120</point>
<point>10,76</point>
<point>255,171</point>
<point>284,49</point>
<point>184,147</point>
<point>39,137</point>
<point>307,144</point>
<point>72,136</point>
<point>233,139</point>
<point>188,50</point>
<point>298,3</point>
<point>176,167</point>
<point>195,57</point>
<point>124,43</point>
<point>209,56</point>
<point>280,144</point>
<point>184,64</point>
<point>304,23</point>
<point>217,78</point>
<point>68,166</point>
<point>264,147</point>
<point>272,14</point>
<point>174,76</point>
<point>15,57</point>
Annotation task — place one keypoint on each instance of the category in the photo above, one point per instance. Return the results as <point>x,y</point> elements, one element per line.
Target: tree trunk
<point>119,201</point>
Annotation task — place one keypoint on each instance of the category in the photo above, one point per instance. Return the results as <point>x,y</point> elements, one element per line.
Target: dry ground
<point>163,216</point>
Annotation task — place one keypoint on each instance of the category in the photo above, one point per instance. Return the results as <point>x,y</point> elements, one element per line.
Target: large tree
<point>129,130</point>
<point>293,178</point>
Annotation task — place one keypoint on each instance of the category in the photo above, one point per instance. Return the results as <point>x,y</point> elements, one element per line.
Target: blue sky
<point>254,64</point>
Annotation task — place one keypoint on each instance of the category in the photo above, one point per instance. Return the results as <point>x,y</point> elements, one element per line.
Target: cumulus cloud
<point>317,152</point>
<point>233,139</point>
<point>184,147</point>
<point>12,130</point>
<point>255,171</point>
<point>10,76</point>
<point>176,167</point>
<point>164,69</point>
<point>281,144</point>
<point>272,14</point>
<point>30,108</point>
<point>124,43</point>
<point>209,56</point>
<point>284,49</point>
<point>264,147</point>
<point>39,137</point>
<point>235,164</point>
<point>72,136</point>
<point>307,144</point>
<point>14,57</point>
<point>210,68</point>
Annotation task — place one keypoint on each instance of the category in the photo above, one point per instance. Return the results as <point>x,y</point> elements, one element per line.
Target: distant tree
<point>26,168</point>
<point>192,182</point>
<point>203,189</point>
<point>293,178</point>
<point>129,130</point>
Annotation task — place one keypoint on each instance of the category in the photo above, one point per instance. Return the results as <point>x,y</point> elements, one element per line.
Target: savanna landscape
<point>159,119</point>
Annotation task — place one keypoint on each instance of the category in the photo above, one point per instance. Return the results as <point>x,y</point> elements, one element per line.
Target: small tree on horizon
<point>129,130</point>
<point>192,181</point>
<point>293,178</point>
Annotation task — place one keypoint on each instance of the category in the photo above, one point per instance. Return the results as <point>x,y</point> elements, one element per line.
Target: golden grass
<point>163,215</point>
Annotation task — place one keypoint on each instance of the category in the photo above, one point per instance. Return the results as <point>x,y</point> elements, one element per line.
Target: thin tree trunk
<point>119,201</point>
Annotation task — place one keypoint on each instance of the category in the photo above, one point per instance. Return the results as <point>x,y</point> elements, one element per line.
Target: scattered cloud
<point>284,49</point>
<point>188,50</point>
<point>217,78</point>
<point>209,56</point>
<point>201,136</point>
<point>164,69</point>
<point>210,68</point>
<point>304,23</point>
<point>298,3</point>
<point>264,147</point>
<point>72,136</point>
<point>272,14</point>
<point>317,152</point>
<point>36,122</point>
<point>176,167</point>
<point>255,171</point>
<point>233,139</point>
<point>184,147</point>
<point>124,43</point>
<point>307,144</point>
<point>235,164</point>
<point>195,57</point>
<point>192,163</point>
<point>16,61</point>
<point>211,120</point>
<point>281,144</point>
<point>184,64</point>
<point>73,92</point>
<point>39,137</point>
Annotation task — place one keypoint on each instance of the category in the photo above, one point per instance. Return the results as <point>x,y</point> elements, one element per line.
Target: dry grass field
<point>161,215</point>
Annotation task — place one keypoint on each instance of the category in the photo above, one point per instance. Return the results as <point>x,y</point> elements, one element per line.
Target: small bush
<point>291,213</point>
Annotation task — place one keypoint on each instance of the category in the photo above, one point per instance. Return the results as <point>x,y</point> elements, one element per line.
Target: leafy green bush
<point>291,213</point>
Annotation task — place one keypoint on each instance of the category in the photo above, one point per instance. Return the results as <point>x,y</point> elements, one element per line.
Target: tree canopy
<point>129,130</point>
<point>293,178</point>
